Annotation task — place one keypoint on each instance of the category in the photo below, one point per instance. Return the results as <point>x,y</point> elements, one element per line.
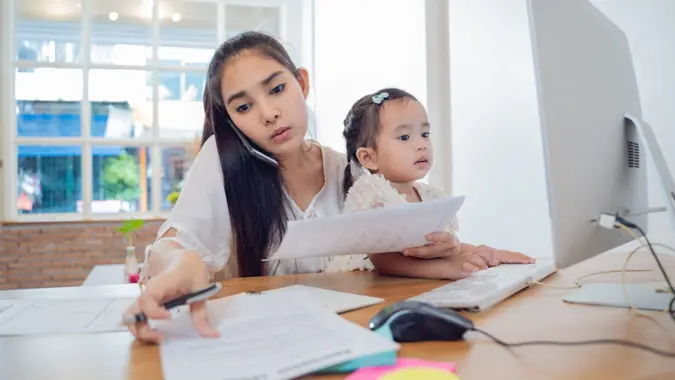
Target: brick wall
<point>62,254</point>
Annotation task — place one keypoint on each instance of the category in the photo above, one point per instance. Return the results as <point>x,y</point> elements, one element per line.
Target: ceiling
<point>174,13</point>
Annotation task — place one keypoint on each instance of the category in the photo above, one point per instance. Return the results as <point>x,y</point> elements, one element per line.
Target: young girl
<point>389,150</point>
<point>253,173</point>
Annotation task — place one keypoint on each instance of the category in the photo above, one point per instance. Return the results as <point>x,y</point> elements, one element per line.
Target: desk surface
<point>535,313</point>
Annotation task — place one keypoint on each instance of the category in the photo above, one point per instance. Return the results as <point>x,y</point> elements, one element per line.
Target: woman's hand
<point>441,244</point>
<point>494,256</point>
<point>188,274</point>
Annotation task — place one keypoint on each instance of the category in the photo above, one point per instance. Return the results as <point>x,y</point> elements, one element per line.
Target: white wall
<point>496,142</point>
<point>650,28</point>
<point>360,47</point>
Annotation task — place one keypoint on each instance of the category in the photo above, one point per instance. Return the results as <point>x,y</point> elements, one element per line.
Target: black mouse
<point>413,321</point>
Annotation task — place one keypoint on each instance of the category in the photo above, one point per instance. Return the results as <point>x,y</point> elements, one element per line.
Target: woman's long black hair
<point>255,196</point>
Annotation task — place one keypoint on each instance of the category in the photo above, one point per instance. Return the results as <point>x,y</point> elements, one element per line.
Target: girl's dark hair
<point>253,188</point>
<point>362,125</point>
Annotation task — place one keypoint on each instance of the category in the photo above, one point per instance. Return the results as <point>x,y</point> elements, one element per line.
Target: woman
<point>235,203</point>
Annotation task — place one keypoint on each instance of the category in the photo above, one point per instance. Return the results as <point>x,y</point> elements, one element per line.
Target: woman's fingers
<point>142,331</point>
<point>145,333</point>
<point>200,320</point>
<point>152,309</point>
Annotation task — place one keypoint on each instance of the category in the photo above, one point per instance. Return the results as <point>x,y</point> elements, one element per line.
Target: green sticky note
<point>379,359</point>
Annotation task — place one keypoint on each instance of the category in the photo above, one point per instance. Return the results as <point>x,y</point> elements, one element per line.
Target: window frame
<point>290,12</point>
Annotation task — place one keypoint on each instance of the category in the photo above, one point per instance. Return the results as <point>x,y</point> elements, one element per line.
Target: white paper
<point>337,302</point>
<point>264,336</point>
<point>58,316</point>
<point>389,229</point>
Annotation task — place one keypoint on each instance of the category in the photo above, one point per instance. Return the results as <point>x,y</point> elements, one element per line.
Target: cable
<point>623,278</point>
<point>627,225</point>
<point>577,282</point>
<point>625,343</point>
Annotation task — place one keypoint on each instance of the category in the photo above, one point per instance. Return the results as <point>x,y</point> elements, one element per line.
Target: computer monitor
<point>595,141</point>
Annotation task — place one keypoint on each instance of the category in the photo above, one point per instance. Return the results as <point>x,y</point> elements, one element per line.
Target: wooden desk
<point>536,313</point>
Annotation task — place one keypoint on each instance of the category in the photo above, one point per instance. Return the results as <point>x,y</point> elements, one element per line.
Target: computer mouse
<point>413,321</point>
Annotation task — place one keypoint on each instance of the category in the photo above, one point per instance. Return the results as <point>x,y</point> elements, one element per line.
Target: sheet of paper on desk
<point>58,316</point>
<point>266,336</point>
<point>389,229</point>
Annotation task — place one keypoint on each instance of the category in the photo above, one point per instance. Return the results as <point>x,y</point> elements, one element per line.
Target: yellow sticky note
<point>419,373</point>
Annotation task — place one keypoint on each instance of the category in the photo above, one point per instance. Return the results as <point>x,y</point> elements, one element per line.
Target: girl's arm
<point>494,257</point>
<point>450,268</point>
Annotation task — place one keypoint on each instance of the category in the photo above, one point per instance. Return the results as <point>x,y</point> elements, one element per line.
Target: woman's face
<point>266,101</point>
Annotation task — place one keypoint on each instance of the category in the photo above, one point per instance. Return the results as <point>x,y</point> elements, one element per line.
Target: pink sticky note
<point>370,373</point>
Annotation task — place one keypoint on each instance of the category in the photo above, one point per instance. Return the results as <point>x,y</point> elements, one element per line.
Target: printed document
<point>389,229</point>
<point>264,336</point>
<point>59,316</point>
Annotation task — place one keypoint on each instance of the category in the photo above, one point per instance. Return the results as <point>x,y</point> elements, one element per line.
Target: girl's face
<point>403,152</point>
<point>266,101</point>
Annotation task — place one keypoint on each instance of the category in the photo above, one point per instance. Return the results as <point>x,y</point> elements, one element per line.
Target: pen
<point>186,299</point>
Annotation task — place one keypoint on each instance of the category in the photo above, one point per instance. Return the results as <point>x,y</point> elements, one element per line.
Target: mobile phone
<point>254,152</point>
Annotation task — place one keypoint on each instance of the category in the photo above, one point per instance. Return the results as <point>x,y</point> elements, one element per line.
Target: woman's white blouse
<point>202,221</point>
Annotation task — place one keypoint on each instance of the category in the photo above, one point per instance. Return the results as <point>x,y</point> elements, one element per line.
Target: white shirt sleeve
<point>201,216</point>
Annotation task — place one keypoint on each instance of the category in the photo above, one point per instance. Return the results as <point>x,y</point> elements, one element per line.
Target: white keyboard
<point>486,288</point>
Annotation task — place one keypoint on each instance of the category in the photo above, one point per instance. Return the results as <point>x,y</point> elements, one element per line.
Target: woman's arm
<point>167,253</point>
<point>193,243</point>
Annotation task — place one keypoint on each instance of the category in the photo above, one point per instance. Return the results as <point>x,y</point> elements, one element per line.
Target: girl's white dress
<point>373,191</point>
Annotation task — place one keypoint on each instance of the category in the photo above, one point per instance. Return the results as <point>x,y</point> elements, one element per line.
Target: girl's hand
<point>494,256</point>
<point>191,274</point>
<point>462,265</point>
<point>441,244</point>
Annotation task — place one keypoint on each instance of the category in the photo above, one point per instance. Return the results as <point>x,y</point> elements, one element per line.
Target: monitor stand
<point>648,138</point>
<point>644,296</point>
<point>647,296</point>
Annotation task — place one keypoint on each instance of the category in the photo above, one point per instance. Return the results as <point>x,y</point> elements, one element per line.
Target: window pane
<point>48,102</point>
<point>181,111</point>
<point>187,32</point>
<point>48,31</point>
<point>380,64</point>
<point>241,18</point>
<point>121,103</point>
<point>121,32</point>
<point>120,179</point>
<point>48,179</point>
<point>176,161</point>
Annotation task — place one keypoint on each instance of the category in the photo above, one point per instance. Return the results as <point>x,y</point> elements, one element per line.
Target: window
<point>106,112</point>
<point>377,50</point>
